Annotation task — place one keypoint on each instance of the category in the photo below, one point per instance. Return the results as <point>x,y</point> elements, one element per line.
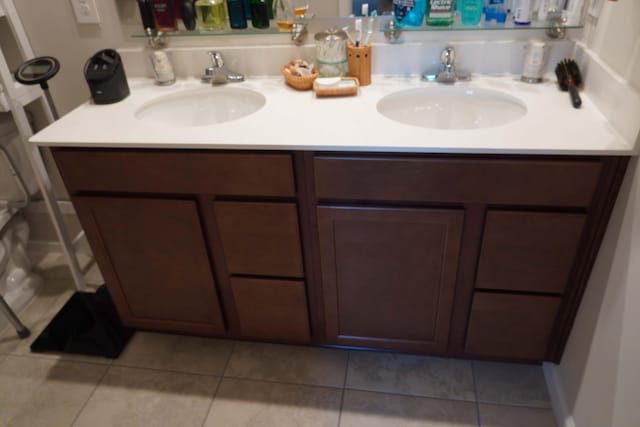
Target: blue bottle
<point>237,17</point>
<point>409,13</point>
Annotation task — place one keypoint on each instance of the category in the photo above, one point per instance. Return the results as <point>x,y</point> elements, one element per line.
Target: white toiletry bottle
<point>162,68</point>
<point>522,12</point>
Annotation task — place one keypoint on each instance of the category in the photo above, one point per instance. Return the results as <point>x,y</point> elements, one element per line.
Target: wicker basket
<point>298,82</point>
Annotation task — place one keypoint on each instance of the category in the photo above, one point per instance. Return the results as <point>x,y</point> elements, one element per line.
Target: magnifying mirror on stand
<point>38,71</point>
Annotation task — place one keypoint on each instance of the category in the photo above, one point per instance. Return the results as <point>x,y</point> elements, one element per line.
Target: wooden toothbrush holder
<point>360,63</point>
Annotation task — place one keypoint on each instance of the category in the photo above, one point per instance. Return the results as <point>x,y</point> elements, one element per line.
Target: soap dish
<point>298,82</point>
<point>340,86</point>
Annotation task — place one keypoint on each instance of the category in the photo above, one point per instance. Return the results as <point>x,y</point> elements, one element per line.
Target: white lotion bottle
<point>522,12</point>
<point>162,68</point>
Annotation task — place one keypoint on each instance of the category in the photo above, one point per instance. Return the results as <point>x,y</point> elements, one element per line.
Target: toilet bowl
<point>17,281</point>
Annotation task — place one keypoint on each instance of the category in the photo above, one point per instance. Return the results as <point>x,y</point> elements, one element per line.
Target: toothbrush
<point>359,30</point>
<point>369,29</point>
<point>346,30</point>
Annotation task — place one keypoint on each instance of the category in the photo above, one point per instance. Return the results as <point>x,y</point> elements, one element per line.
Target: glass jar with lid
<point>331,53</point>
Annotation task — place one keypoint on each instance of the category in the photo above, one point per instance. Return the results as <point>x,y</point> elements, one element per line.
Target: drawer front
<point>529,251</point>
<point>272,309</point>
<point>455,180</point>
<point>169,172</point>
<point>511,326</point>
<point>260,238</point>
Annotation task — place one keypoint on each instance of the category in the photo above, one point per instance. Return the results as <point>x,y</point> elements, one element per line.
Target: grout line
<point>220,378</point>
<point>226,365</point>
<point>475,392</point>
<point>84,405</point>
<point>344,387</point>
<point>171,371</point>
<point>419,396</point>
<point>260,380</point>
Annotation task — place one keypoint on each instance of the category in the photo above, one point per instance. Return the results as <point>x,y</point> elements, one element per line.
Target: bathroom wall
<point>597,381</point>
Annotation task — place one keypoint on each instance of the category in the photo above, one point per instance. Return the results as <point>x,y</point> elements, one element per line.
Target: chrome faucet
<point>448,73</point>
<point>218,73</point>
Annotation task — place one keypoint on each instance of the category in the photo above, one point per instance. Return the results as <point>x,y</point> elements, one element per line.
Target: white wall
<point>598,379</point>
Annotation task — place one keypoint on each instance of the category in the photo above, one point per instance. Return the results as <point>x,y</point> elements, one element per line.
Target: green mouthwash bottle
<point>440,12</point>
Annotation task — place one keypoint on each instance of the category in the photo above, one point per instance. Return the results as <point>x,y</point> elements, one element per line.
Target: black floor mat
<point>87,324</point>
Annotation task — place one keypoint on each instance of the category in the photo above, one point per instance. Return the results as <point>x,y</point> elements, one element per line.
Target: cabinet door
<point>153,256</point>
<point>388,275</point>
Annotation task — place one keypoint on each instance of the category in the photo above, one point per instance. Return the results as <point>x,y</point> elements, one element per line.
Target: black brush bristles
<point>569,79</point>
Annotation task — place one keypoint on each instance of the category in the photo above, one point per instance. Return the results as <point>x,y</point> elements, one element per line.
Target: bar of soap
<point>335,86</point>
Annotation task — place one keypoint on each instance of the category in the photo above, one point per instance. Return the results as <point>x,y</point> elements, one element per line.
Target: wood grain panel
<point>389,275</point>
<point>511,326</point>
<point>176,172</point>
<point>529,251</point>
<point>260,238</point>
<point>457,180</point>
<point>154,259</point>
<point>272,309</point>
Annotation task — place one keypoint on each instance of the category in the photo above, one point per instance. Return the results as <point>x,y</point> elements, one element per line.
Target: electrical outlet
<point>86,11</point>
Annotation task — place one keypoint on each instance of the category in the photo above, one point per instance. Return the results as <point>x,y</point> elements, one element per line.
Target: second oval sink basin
<point>451,107</point>
<point>201,107</point>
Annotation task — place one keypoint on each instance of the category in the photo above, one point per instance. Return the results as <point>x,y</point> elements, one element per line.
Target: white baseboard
<point>564,418</point>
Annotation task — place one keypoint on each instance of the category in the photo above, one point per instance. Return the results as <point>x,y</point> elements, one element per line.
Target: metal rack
<point>14,97</point>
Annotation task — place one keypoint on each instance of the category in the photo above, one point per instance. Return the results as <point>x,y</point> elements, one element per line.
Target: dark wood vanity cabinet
<point>462,255</point>
<point>196,242</point>
<point>522,234</point>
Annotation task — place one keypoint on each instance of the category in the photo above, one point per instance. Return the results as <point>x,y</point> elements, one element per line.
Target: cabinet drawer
<point>260,238</point>
<point>511,326</point>
<point>272,309</point>
<point>171,172</point>
<point>455,180</point>
<point>529,251</point>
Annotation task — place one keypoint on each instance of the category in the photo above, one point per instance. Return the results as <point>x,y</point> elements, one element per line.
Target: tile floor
<point>170,380</point>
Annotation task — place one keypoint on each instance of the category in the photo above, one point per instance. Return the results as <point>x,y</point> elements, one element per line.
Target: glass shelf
<point>491,26</point>
<point>197,33</point>
<point>382,26</point>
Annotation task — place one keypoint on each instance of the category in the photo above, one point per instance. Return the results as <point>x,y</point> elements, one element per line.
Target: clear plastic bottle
<point>212,15</point>
<point>440,12</point>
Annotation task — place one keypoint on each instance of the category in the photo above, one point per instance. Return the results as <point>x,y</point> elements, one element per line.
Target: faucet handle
<point>216,59</point>
<point>448,56</point>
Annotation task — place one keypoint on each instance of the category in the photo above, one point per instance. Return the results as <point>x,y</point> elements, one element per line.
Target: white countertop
<point>293,120</point>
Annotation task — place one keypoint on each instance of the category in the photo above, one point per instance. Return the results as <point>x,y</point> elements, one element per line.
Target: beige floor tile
<point>289,364</point>
<point>143,397</point>
<point>411,374</point>
<point>511,384</point>
<point>263,404</point>
<point>41,392</point>
<point>206,356</point>
<point>367,409</point>
<point>36,315</point>
<point>515,416</point>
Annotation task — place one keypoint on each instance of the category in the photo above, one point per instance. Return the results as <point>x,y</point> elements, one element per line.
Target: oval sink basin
<point>201,107</point>
<point>451,107</point>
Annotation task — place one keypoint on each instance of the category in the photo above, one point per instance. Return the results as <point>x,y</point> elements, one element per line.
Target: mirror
<point>331,8</point>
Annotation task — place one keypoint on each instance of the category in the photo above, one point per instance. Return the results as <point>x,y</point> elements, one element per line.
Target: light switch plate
<point>86,11</point>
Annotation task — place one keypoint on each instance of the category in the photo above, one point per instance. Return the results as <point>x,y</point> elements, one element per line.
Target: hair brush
<point>569,78</point>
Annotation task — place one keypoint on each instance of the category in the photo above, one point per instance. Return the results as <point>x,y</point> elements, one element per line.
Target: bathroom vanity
<point>451,242</point>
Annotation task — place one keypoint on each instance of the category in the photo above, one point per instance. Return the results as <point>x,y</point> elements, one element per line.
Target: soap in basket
<point>340,86</point>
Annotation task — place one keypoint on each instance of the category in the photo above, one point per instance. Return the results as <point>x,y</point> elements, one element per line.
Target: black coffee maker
<point>106,78</point>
